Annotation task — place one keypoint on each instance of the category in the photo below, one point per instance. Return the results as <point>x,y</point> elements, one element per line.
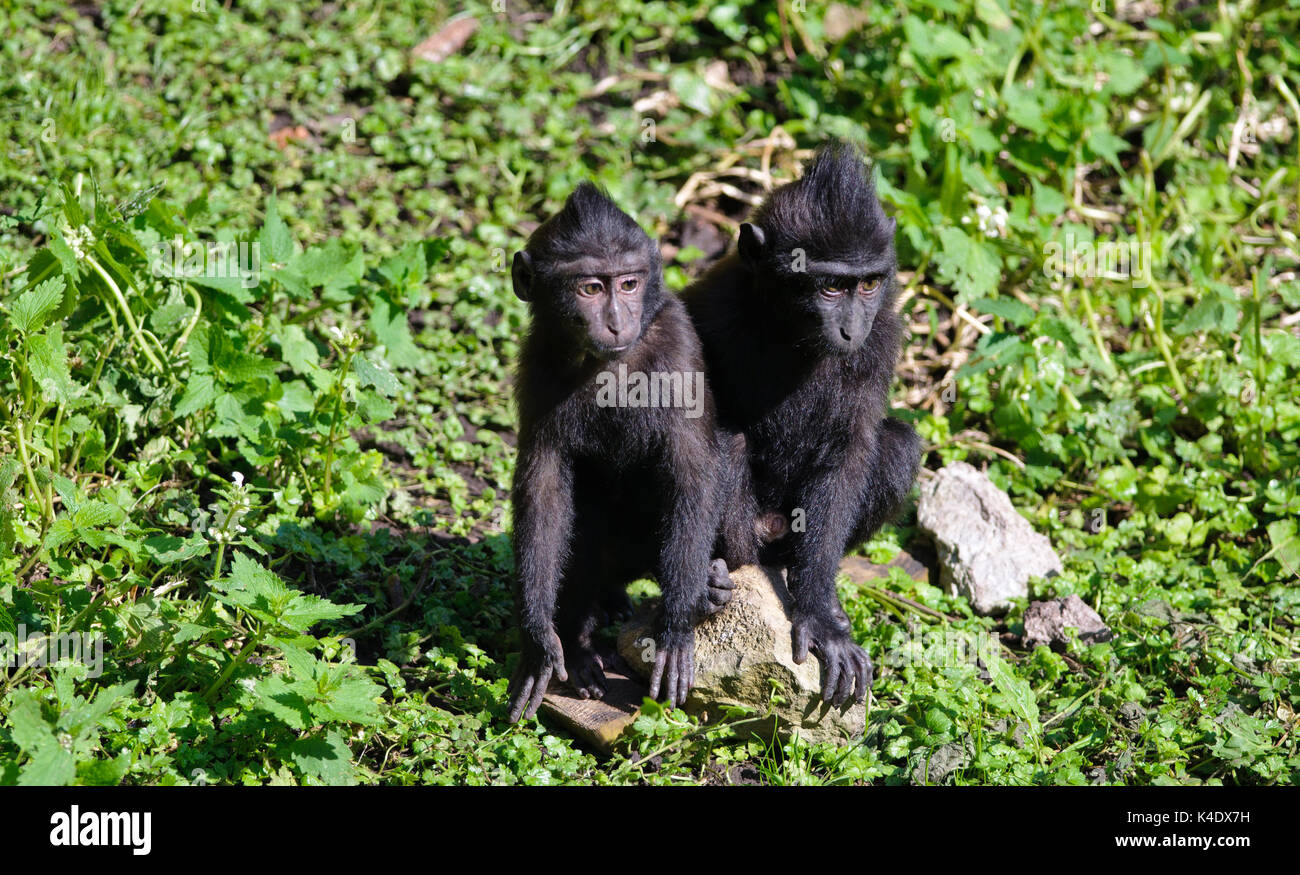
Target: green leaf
<point>94,514</point>
<point>275,239</point>
<point>391,328</point>
<point>1126,74</point>
<point>1010,309</point>
<point>971,266</point>
<point>1105,144</point>
<point>325,758</point>
<point>305,611</point>
<point>27,724</point>
<point>200,393</point>
<point>37,305</point>
<point>279,698</point>
<point>51,766</point>
<point>932,41</point>
<point>1019,694</point>
<point>297,351</point>
<point>332,267</point>
<point>692,90</point>
<point>407,268</point>
<point>48,361</point>
<point>1286,544</point>
<point>993,14</point>
<point>354,701</point>
<point>376,375</point>
<point>169,549</point>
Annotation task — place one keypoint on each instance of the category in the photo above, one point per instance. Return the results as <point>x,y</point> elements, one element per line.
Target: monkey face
<point>828,302</point>
<point>600,300</point>
<point>846,308</point>
<point>591,274</point>
<point>608,306</point>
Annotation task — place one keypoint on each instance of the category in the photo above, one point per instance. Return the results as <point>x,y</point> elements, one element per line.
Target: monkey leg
<point>890,475</point>
<point>576,622</point>
<point>738,539</point>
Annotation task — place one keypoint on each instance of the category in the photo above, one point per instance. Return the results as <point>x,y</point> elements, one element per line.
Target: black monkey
<point>800,339</point>
<point>605,493</point>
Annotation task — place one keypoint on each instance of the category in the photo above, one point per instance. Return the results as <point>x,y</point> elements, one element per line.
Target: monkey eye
<point>869,286</point>
<point>835,287</point>
<point>629,284</point>
<point>590,288</point>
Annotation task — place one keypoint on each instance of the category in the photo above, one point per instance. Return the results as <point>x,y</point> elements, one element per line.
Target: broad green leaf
<point>275,239</point>
<point>1019,694</point>
<point>287,704</point>
<point>389,323</point>
<point>1286,544</point>
<point>993,14</point>
<point>1008,308</point>
<point>327,759</point>
<point>305,611</point>
<point>48,360</point>
<point>376,375</point>
<point>353,701</point>
<point>971,266</point>
<point>200,393</point>
<point>298,351</point>
<point>36,306</point>
<point>27,724</point>
<point>51,766</point>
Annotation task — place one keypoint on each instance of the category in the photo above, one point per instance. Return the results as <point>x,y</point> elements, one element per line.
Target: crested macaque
<point>800,339</point>
<point>604,491</point>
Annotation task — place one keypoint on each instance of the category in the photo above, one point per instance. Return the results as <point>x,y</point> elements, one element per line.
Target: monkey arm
<point>690,524</point>
<point>543,522</point>
<point>829,501</point>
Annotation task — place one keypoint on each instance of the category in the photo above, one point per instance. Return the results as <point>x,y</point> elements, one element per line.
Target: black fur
<point>603,495</point>
<point>800,363</point>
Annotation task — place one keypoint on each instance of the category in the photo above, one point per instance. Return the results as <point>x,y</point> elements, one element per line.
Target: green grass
<point>282,507</point>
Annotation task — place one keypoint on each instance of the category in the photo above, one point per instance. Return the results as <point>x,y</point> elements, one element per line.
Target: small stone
<point>938,764</point>
<point>1131,714</point>
<point>1046,621</point>
<point>987,550</point>
<point>743,655</point>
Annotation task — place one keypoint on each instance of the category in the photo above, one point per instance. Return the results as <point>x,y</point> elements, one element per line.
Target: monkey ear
<point>521,274</point>
<point>893,225</point>
<point>751,242</point>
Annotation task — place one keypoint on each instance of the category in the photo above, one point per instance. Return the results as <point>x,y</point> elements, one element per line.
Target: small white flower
<point>237,478</point>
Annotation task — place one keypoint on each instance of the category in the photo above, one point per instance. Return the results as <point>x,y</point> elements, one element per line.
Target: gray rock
<point>987,550</point>
<point>1046,621</point>
<point>938,764</point>
<point>743,656</point>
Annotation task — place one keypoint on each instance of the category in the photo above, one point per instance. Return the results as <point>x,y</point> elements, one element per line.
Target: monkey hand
<point>539,661</point>
<point>845,665</point>
<point>674,667</point>
<point>587,671</point>
<point>718,592</point>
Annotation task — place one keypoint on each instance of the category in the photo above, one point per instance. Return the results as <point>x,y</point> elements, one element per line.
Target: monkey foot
<point>847,672</point>
<point>617,606</point>
<point>674,668</point>
<point>719,590</point>
<point>587,675</point>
